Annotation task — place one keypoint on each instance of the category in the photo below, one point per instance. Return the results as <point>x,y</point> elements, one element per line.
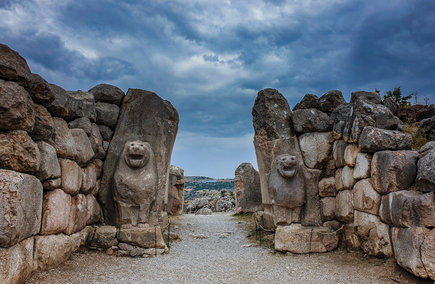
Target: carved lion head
<point>286,165</point>
<point>137,153</point>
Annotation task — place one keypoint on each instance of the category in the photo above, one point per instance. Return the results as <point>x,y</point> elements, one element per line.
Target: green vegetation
<point>417,137</point>
<point>397,96</point>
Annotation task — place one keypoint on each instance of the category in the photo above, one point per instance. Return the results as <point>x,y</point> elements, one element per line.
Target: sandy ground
<point>226,256</point>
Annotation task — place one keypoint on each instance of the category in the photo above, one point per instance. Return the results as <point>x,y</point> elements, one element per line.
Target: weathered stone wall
<point>371,180</point>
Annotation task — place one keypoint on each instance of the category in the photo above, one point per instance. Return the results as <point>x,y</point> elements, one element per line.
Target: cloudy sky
<point>211,57</point>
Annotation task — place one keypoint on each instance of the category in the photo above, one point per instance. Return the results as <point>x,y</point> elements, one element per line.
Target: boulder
<point>409,113</point>
<point>82,123</point>
<point>365,198</point>
<point>97,142</point>
<point>98,167</point>
<point>196,204</point>
<point>316,148</point>
<point>158,128</point>
<point>344,211</point>
<point>80,104</point>
<point>106,114</point>
<point>44,126</point>
<point>363,165</point>
<point>327,206</point>
<point>406,244</point>
<point>427,112</point>
<point>106,132</point>
<point>83,147</point>
<point>17,110</point>
<point>52,250</point>
<point>311,120</point>
<point>370,97</point>
<point>71,176</point>
<point>223,206</point>
<point>51,184</point>
<point>350,154</point>
<point>247,189</point>
<point>49,167</point>
<point>339,180</point>
<point>393,170</point>
<point>13,67</point>
<point>18,152</point>
<point>20,207</point>
<point>391,105</point>
<point>63,140</point>
<point>347,178</point>
<point>104,237</point>
<point>89,179</point>
<point>17,263</point>
<point>78,215</point>
<point>408,209</point>
<point>330,101</point>
<point>427,128</point>
<point>428,254</point>
<point>39,89</point>
<point>58,107</point>
<point>374,139</point>
<point>55,212</point>
<point>351,237</point>
<point>308,101</point>
<point>142,237</point>
<point>298,239</point>
<point>426,171</point>
<point>108,94</point>
<point>327,187</point>
<point>373,235</point>
<point>175,191</point>
<point>94,213</point>
<point>426,149</point>
<point>204,211</point>
<point>339,152</point>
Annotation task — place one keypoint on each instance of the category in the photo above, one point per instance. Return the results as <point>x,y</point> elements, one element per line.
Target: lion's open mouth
<point>136,156</point>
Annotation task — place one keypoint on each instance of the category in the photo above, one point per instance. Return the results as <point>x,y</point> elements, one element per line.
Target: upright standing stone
<point>145,117</point>
<point>247,189</point>
<point>175,191</point>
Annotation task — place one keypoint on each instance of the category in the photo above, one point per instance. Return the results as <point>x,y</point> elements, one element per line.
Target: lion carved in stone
<point>135,183</point>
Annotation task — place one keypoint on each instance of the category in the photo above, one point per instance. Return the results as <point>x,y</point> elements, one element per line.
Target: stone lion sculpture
<point>286,189</point>
<point>135,183</point>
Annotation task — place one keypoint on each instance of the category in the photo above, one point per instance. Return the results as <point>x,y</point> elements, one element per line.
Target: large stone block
<point>104,237</point>
<point>351,237</point>
<point>13,67</point>
<point>51,184</point>
<point>350,154</point>
<point>329,101</point>
<point>20,207</point>
<point>393,170</point>
<point>374,139</point>
<point>58,107</point>
<point>426,171</point>
<point>97,142</point>
<point>363,166</point>
<point>176,191</point>
<point>344,211</point>
<point>71,176</point>
<point>83,147</point>
<point>107,114</point>
<point>327,205</point>
<point>338,179</point>
<point>365,198</point>
<point>55,212</point>
<point>49,167</point>
<point>53,250</point>
<point>89,179</point>
<point>62,140</point>
<point>18,152</point>
<point>373,235</point>
<point>298,239</point>
<point>339,151</point>
<point>108,94</point>
<point>78,214</point>
<point>247,189</point>
<point>82,123</point>
<point>327,187</point>
<point>308,101</point>
<point>17,263</point>
<point>408,209</point>
<point>44,125</point>
<point>80,104</point>
<point>17,110</point>
<point>159,128</point>
<point>347,177</point>
<point>149,237</point>
<point>311,120</point>
<point>428,254</point>
<point>94,213</point>
<point>316,148</point>
<point>106,132</point>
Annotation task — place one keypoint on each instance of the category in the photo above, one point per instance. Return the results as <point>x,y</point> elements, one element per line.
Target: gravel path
<point>220,259</point>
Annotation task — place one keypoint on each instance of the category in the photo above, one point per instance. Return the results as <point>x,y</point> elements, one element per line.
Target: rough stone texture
<point>97,142</point>
<point>347,179</point>
<point>107,114</point>
<point>93,210</point>
<point>13,67</point>
<point>175,191</point>
<point>373,235</point>
<point>204,211</point>
<point>330,101</point>
<point>104,237</point>
<point>142,237</point>
<point>327,205</point>
<point>339,151</point>
<point>82,123</point>
<point>298,239</point>
<point>426,171</point>
<point>52,184</point>
<point>106,132</point>
<point>310,120</point>
<point>71,176</point>
<point>89,179</point>
<point>340,116</point>
<point>351,237</point>
<point>409,114</point>
<point>53,250</point>
<point>391,105</point>
<point>80,104</point>
<point>408,209</point>
<point>428,254</point>
<point>338,179</point>
<point>20,207</point>
<point>18,152</point>
<point>135,184</point>
<point>274,136</point>
<point>144,117</point>
<point>44,126</point>
<point>17,110</point>
<point>62,140</point>
<point>374,139</point>
<point>308,101</point>
<point>350,154</point>
<point>426,112</point>
<point>316,148</point>
<point>17,263</point>
<point>55,212</point>
<point>365,198</point>
<point>406,244</point>
<point>426,148</point>
<point>108,94</point>
<point>363,166</point>
<point>98,167</point>
<point>83,146</point>
<point>198,203</point>
<point>344,211</point>
<point>393,170</point>
<point>58,107</point>
<point>49,167</point>
<point>327,187</point>
<point>427,128</point>
<point>78,214</point>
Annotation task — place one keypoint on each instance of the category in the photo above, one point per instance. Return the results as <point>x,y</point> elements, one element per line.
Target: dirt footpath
<point>215,249</point>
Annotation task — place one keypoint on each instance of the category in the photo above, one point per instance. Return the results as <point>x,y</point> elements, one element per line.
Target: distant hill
<point>196,184</point>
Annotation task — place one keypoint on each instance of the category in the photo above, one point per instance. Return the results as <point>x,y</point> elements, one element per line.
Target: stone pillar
<point>175,200</point>
<point>247,189</point>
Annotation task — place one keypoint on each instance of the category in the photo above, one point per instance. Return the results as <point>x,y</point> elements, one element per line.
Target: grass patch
<point>418,139</point>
